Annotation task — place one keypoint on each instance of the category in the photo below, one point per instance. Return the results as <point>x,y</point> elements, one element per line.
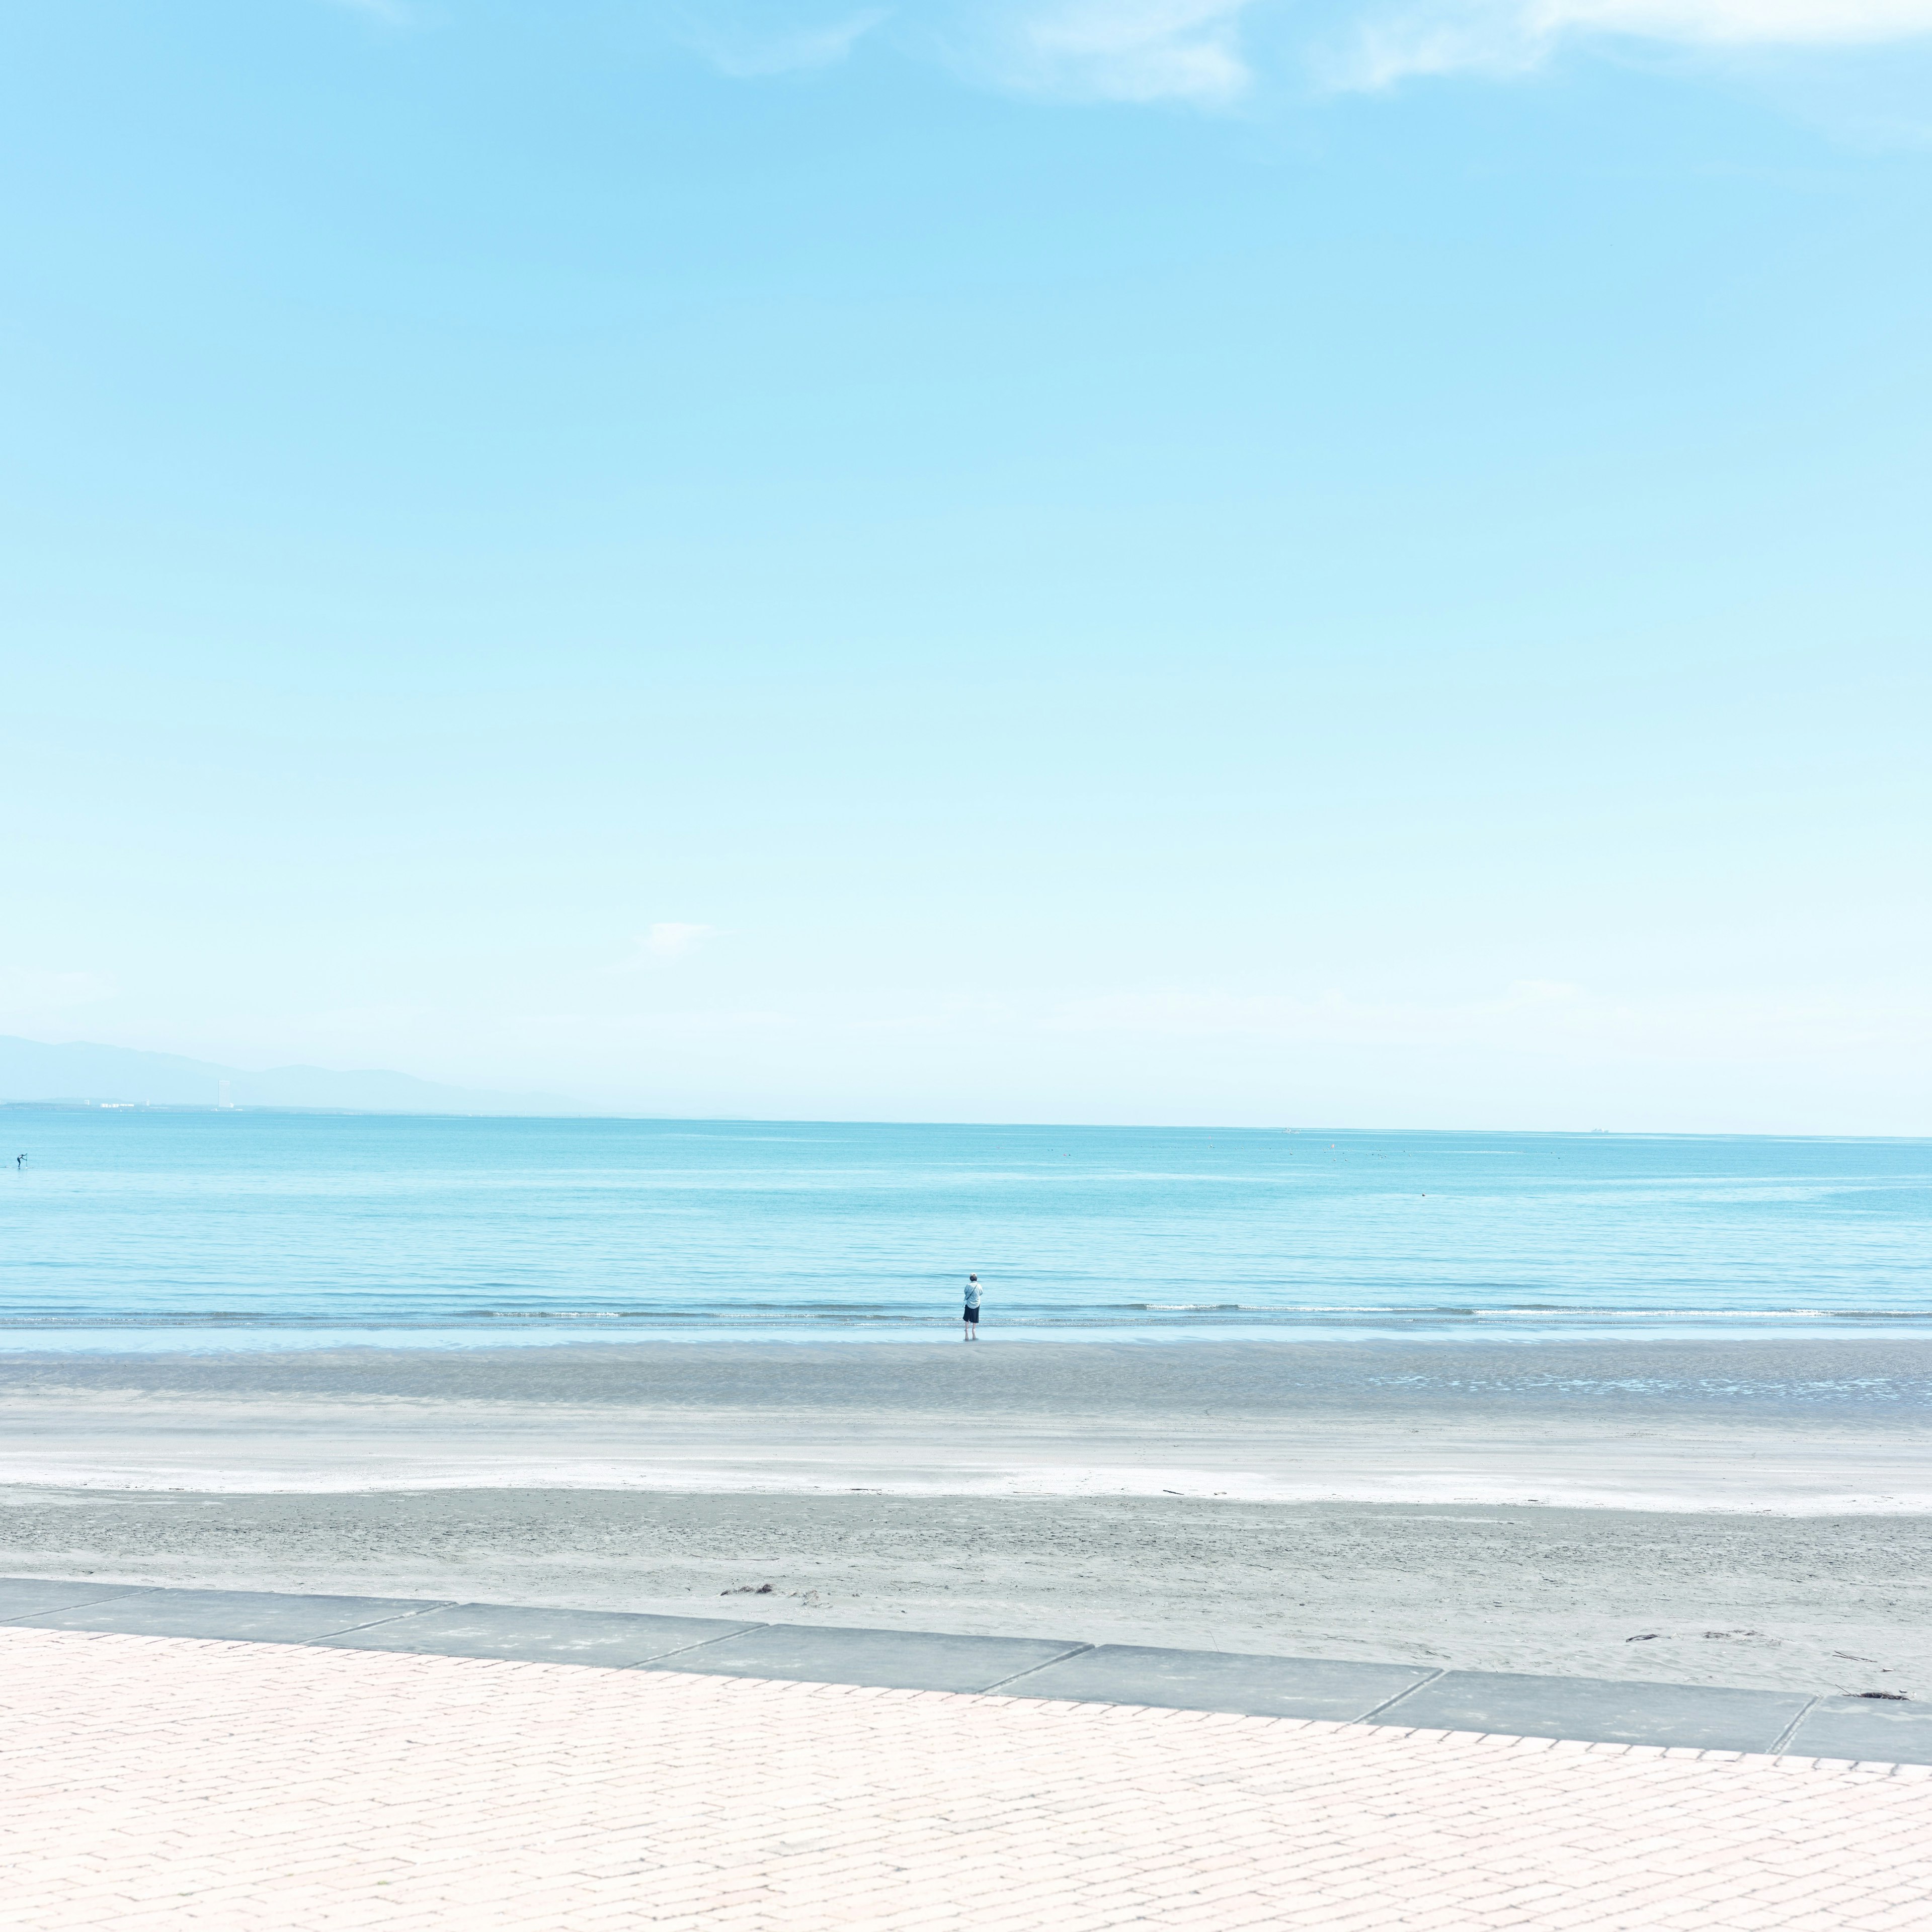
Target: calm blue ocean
<point>128,1228</point>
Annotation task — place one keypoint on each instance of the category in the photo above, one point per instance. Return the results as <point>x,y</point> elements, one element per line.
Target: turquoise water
<point>132,1228</point>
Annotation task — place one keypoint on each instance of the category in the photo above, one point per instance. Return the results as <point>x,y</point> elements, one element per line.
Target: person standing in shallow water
<point>972,1308</point>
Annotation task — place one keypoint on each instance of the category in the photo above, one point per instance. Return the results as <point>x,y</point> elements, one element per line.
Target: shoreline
<point>24,1339</point>
<point>1854,1363</point>
<point>322,1448</point>
<point>1687,1427</point>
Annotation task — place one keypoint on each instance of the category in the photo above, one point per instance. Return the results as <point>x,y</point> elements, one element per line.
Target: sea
<point>131,1229</point>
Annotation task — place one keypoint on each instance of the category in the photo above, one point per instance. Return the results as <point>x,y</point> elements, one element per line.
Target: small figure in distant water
<point>19,1160</point>
<point>972,1308</point>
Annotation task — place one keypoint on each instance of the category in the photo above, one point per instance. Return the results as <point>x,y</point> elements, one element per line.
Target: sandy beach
<point>1754,1512</point>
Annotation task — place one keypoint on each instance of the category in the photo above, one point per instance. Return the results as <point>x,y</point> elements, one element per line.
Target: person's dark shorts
<point>972,1316</point>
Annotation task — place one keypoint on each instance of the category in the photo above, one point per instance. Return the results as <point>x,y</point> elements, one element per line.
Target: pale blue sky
<point>1167,561</point>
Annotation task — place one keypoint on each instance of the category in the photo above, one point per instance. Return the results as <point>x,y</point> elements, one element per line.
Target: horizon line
<point>79,1104</point>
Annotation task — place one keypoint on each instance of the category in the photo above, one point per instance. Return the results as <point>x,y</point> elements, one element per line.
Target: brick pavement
<point>179,1784</point>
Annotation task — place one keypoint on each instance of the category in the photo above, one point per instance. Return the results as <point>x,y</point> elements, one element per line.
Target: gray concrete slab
<point>612,1637</point>
<point>1212,1680</point>
<point>890,1659</point>
<point>24,1596</point>
<point>1699,1716</point>
<point>1598,1710</point>
<point>1874,1728</point>
<point>252,1616</point>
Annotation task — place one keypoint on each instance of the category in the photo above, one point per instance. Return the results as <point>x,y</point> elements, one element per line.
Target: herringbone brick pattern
<point>179,1785</point>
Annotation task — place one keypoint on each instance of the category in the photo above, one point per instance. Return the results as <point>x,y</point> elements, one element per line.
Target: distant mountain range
<point>81,1071</point>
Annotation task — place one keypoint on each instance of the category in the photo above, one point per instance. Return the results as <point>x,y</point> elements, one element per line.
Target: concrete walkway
<point>1698,1717</point>
<point>185,1784</point>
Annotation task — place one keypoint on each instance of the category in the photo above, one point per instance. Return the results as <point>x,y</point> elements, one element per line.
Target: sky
<point>1141,560</point>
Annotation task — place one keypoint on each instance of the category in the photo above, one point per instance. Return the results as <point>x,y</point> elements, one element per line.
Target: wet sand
<point>1755,1512</point>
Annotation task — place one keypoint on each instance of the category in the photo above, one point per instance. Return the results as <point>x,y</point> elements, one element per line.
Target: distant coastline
<point>69,1103</point>
<point>85,1074</point>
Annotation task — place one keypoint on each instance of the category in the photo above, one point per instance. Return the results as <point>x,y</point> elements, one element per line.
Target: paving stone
<point>1700,1717</point>
<point>173,1782</point>
<point>613,1637</point>
<point>887,1659</point>
<point>1209,1680</point>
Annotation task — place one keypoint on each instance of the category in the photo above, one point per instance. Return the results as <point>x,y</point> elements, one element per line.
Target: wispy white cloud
<point>1130,49</point>
<point>1215,53</point>
<point>1386,43</point>
<point>1738,20</point>
<point>749,46</point>
<point>1133,50</point>
<point>671,939</point>
<point>668,939</point>
<point>1197,51</point>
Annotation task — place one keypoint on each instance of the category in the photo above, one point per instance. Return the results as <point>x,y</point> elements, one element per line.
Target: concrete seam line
<point>85,1602</point>
<point>703,1643</point>
<point>1408,1690</point>
<point>400,1617</point>
<point>1783,1737</point>
<point>1079,1650</point>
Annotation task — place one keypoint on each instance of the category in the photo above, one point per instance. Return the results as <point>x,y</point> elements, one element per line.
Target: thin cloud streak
<point>667,940</point>
<point>672,939</point>
<point>1755,22</point>
<point>1506,37</point>
<point>1193,52</point>
<point>1133,50</point>
<point>746,51</point>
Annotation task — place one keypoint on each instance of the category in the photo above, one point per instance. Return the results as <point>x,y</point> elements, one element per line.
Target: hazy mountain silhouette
<point>80,1070</point>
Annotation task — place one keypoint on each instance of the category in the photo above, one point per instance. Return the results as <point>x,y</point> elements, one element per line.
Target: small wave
<point>547,1314</point>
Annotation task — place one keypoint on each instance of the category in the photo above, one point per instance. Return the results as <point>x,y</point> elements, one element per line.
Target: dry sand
<point>1721,1512</point>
